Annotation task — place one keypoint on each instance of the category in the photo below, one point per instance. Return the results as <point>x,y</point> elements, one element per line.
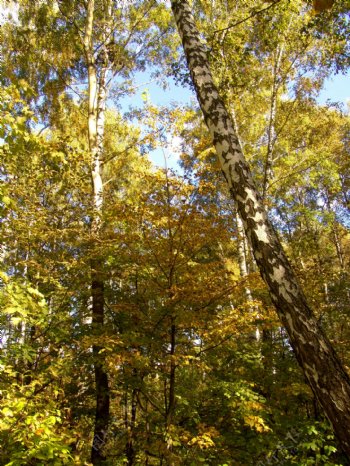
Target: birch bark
<point>97,98</point>
<point>321,365</point>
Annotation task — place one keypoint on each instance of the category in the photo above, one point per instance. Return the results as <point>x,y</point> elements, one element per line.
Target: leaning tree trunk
<point>322,367</point>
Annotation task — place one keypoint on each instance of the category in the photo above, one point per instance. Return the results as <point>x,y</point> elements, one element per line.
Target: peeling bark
<point>321,365</point>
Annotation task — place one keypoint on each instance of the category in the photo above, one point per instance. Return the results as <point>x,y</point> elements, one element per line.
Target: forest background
<point>135,328</point>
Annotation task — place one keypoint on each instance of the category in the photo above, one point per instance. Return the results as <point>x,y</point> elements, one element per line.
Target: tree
<point>322,367</point>
<point>101,41</point>
<point>187,380</point>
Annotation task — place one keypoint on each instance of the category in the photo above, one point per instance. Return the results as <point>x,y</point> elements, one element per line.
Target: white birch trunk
<point>97,99</point>
<point>322,367</point>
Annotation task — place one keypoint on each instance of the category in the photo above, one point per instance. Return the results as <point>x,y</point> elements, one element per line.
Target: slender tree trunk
<point>336,237</point>
<point>322,367</point>
<point>171,400</point>
<point>243,254</point>
<point>169,391</point>
<point>97,98</point>
<point>271,131</point>
<point>338,245</point>
<point>130,451</point>
<point>101,377</point>
<point>170,406</point>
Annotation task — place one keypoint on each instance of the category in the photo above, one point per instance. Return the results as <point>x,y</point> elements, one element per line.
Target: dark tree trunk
<point>130,451</point>
<point>171,403</point>
<point>322,367</point>
<point>101,378</point>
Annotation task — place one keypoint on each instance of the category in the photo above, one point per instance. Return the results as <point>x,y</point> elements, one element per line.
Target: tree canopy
<point>138,319</point>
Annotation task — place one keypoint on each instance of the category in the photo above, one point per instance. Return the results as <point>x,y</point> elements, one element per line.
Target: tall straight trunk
<point>271,131</point>
<point>170,405</point>
<point>130,451</point>
<point>336,236</point>
<point>97,96</point>
<point>321,365</point>
<point>243,257</point>
<point>171,399</point>
<point>243,254</point>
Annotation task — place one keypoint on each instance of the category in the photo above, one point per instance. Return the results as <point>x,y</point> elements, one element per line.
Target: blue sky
<point>336,89</point>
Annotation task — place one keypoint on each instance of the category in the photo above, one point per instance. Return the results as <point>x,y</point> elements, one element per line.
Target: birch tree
<point>321,365</point>
<point>96,109</point>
